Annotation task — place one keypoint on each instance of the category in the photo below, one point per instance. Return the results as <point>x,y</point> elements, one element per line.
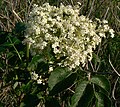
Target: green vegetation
<point>28,80</point>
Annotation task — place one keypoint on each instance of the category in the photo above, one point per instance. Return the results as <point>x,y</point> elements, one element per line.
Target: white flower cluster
<point>37,78</point>
<point>70,35</point>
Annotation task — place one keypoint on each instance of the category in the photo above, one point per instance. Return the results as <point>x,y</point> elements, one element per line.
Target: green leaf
<point>27,87</point>
<point>100,89</point>
<point>35,60</point>
<point>15,40</point>
<point>7,44</point>
<point>102,100</point>
<point>102,82</point>
<point>10,55</point>
<point>86,99</point>
<point>60,79</point>
<point>56,76</point>
<point>29,101</point>
<point>79,91</point>
<point>64,84</point>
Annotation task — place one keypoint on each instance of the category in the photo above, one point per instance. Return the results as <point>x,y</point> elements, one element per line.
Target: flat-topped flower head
<point>70,35</point>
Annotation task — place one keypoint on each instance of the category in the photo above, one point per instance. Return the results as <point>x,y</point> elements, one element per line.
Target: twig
<point>113,67</point>
<point>71,90</point>
<point>1,69</point>
<point>98,51</point>
<point>17,15</point>
<point>89,76</point>
<point>92,66</point>
<point>7,2</point>
<point>98,67</point>
<point>29,7</point>
<point>91,8</point>
<point>3,26</point>
<point>118,7</point>
<point>72,2</point>
<point>106,13</point>
<point>113,91</point>
<point>115,15</point>
<point>8,19</point>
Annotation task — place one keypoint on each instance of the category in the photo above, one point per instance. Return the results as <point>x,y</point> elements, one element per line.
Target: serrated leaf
<point>102,82</point>
<point>102,100</point>
<point>79,91</point>
<point>64,84</point>
<point>56,76</point>
<point>87,97</point>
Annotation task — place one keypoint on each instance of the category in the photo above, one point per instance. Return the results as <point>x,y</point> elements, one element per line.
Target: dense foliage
<point>59,55</point>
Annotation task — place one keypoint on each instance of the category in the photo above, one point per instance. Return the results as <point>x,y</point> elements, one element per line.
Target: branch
<point>113,91</point>
<point>113,67</point>
<point>91,8</point>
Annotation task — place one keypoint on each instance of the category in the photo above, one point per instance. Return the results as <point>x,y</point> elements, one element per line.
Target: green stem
<point>15,49</point>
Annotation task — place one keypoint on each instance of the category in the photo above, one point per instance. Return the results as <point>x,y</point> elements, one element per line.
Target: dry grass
<point>13,11</point>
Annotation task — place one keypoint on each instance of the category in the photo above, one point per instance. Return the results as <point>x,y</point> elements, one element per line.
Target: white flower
<point>37,31</point>
<point>77,62</point>
<point>29,40</point>
<point>48,36</point>
<point>43,45</point>
<point>68,34</point>
<point>34,76</point>
<point>82,18</point>
<point>39,81</point>
<point>79,3</point>
<point>77,23</point>
<point>58,18</point>
<point>50,69</point>
<point>111,32</point>
<point>56,47</point>
<point>102,34</point>
<point>56,44</point>
<point>105,21</point>
<point>106,27</point>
